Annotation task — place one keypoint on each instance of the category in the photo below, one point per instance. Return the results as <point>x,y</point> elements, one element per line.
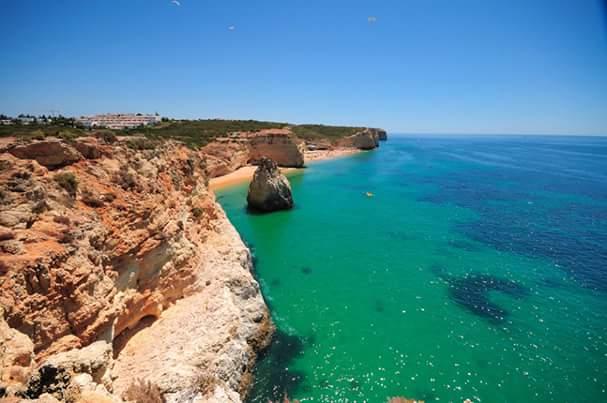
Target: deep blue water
<point>537,195</point>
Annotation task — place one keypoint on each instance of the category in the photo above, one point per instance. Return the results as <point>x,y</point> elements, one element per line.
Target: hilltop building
<point>119,120</point>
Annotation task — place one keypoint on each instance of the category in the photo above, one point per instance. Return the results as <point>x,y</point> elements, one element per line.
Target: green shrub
<point>125,179</point>
<point>40,207</point>
<point>206,384</point>
<point>91,199</point>
<point>317,132</point>
<point>141,143</point>
<point>193,133</point>
<point>36,131</point>
<point>67,181</point>
<point>197,133</point>
<point>68,134</point>
<point>36,135</point>
<point>107,136</point>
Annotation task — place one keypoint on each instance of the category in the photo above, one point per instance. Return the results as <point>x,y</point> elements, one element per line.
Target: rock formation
<point>16,357</point>
<point>227,154</point>
<point>50,152</point>
<point>269,190</point>
<point>119,271</point>
<point>74,375</point>
<point>127,253</point>
<point>366,139</point>
<point>280,145</point>
<point>381,134</point>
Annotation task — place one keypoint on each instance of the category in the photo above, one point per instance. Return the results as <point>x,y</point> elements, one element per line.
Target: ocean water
<point>478,270</point>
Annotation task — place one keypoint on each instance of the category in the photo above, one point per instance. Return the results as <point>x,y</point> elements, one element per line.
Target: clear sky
<point>450,66</point>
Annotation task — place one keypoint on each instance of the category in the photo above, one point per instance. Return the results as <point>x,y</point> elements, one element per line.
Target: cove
<point>477,270</point>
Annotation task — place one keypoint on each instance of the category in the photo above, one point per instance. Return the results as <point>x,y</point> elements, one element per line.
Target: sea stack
<point>269,190</point>
<point>382,135</point>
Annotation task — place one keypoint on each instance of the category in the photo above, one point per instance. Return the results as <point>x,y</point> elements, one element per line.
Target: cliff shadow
<point>274,376</point>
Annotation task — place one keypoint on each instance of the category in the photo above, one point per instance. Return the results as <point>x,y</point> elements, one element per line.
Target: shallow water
<point>478,270</point>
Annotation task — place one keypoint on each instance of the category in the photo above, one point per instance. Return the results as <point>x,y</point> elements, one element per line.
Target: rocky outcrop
<point>69,375</point>
<point>16,358</point>
<point>130,250</point>
<point>269,190</point>
<point>226,155</point>
<point>227,320</point>
<point>280,145</point>
<point>381,134</point>
<point>366,139</point>
<point>51,153</point>
<point>89,147</point>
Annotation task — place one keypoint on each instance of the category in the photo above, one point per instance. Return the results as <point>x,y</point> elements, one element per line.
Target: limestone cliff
<point>280,145</point>
<point>103,243</point>
<point>366,139</point>
<point>227,154</point>
<point>381,134</point>
<point>119,271</point>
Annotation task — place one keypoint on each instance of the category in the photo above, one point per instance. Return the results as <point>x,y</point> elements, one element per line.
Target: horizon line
<point>395,132</point>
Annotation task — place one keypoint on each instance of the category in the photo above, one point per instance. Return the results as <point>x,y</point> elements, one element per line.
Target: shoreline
<point>205,272</point>
<point>241,175</point>
<point>245,174</point>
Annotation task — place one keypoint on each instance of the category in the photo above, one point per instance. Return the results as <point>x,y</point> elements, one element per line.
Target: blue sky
<point>450,66</point>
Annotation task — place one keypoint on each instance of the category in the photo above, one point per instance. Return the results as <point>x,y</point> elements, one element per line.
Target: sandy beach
<point>320,155</point>
<point>245,174</point>
<point>241,175</point>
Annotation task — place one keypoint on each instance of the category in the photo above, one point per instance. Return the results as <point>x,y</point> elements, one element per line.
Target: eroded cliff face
<point>280,145</point>
<point>100,243</point>
<point>225,155</point>
<point>382,134</point>
<point>366,139</point>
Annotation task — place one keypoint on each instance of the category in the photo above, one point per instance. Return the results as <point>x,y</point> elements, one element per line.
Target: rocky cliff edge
<point>118,269</point>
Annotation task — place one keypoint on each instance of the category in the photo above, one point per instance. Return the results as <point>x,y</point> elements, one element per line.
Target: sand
<point>245,174</point>
<point>241,175</point>
<point>320,155</point>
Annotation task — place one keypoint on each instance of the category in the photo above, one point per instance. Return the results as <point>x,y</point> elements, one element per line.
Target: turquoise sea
<point>477,270</point>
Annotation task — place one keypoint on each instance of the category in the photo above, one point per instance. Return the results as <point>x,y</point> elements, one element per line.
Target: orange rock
<point>85,273</point>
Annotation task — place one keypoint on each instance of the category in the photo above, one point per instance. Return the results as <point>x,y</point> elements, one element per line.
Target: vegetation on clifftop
<point>194,133</point>
<point>319,132</point>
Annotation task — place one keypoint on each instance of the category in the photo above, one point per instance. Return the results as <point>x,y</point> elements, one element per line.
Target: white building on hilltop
<point>119,120</point>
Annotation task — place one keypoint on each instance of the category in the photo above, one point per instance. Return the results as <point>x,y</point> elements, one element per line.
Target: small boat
<point>369,194</point>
